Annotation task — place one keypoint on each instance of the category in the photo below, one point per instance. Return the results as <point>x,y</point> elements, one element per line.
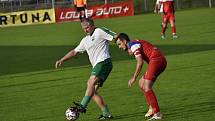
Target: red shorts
<point>168,17</point>
<point>155,67</point>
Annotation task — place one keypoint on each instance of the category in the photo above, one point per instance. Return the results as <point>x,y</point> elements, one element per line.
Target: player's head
<point>87,25</point>
<point>121,40</point>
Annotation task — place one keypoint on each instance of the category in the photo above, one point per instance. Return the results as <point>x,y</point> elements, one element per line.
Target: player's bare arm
<point>157,8</point>
<point>137,70</point>
<point>65,58</point>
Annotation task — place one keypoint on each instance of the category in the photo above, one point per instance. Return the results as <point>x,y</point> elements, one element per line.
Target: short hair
<point>123,36</point>
<point>87,20</point>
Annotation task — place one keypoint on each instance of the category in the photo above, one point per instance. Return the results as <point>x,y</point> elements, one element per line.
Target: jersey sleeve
<point>107,34</point>
<point>80,47</point>
<point>136,49</point>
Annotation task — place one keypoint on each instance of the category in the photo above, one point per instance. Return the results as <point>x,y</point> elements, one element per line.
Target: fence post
<point>53,4</point>
<point>209,3</point>
<point>145,5</point>
<point>177,4</point>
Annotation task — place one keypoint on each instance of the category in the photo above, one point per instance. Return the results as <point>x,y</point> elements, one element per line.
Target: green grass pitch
<point>32,90</point>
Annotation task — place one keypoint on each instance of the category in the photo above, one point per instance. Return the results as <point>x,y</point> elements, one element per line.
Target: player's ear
<point>124,41</point>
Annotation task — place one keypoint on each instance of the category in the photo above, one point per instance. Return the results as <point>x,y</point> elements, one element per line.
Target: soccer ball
<point>72,114</point>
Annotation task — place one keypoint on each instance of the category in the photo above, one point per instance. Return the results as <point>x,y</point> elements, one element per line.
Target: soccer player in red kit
<point>144,51</point>
<point>167,7</point>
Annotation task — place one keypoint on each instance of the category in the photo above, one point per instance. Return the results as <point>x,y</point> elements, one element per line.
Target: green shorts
<point>102,70</point>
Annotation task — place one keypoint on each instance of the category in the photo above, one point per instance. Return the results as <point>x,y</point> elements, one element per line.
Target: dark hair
<point>88,20</point>
<point>122,36</point>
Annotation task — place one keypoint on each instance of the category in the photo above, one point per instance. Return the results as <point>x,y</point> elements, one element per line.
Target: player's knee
<point>148,85</point>
<point>92,81</point>
<point>89,83</point>
<point>172,24</point>
<point>164,25</point>
<point>146,89</point>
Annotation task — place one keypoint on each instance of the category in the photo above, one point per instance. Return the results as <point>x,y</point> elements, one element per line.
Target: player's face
<point>88,29</point>
<point>121,44</point>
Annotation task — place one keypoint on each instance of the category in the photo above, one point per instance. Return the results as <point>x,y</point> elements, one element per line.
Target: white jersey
<point>96,45</point>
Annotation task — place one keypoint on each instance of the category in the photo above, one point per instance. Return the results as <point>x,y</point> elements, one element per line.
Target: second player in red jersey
<point>152,55</point>
<point>144,51</point>
<point>167,8</point>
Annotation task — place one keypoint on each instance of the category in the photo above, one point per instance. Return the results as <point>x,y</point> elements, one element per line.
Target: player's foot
<point>174,36</point>
<point>80,108</point>
<point>73,109</point>
<point>156,116</point>
<point>149,113</point>
<point>105,117</point>
<point>163,36</point>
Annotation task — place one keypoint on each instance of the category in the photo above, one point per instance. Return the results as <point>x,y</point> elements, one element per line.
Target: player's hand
<point>58,63</point>
<point>131,81</point>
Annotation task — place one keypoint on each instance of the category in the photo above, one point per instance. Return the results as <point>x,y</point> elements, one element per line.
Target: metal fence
<point>140,5</point>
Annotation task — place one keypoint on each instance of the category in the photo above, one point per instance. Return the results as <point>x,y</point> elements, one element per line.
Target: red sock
<point>163,30</point>
<point>152,101</point>
<point>173,30</point>
<point>146,97</point>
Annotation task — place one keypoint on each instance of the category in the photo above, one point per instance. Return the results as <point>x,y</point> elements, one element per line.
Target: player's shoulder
<point>105,30</point>
<point>101,29</point>
<point>133,42</point>
<point>98,30</point>
<point>134,45</point>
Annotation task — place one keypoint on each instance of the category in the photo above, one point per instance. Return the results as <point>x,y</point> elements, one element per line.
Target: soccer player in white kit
<point>96,44</point>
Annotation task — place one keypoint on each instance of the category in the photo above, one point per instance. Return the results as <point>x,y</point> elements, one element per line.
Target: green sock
<point>85,101</point>
<point>105,111</point>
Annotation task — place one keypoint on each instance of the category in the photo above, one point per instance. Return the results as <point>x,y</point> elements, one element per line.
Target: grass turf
<point>31,90</point>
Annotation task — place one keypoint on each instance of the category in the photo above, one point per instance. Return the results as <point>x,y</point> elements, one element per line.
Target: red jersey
<point>145,49</point>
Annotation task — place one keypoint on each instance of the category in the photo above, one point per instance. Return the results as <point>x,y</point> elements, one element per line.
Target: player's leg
<point>172,24</point>
<point>83,13</point>
<point>102,105</point>
<point>150,96</point>
<point>78,10</point>
<point>141,85</point>
<point>102,71</point>
<point>146,87</point>
<point>89,91</point>
<point>154,68</point>
<point>88,94</point>
<point>98,75</point>
<point>98,99</point>
<point>164,25</point>
<point>86,13</point>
